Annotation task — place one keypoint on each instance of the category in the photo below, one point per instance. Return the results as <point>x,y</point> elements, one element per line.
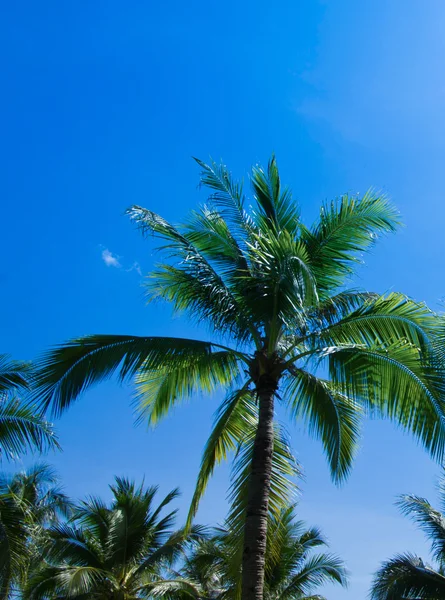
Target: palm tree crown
<point>110,552</point>
<point>407,576</point>
<point>293,570</point>
<point>29,502</point>
<point>272,293</point>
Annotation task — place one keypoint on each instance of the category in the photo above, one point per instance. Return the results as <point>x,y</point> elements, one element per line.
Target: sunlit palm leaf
<point>346,228</point>
<point>70,369</point>
<point>330,416</point>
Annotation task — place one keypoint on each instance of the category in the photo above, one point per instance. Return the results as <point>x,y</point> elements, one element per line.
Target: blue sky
<point>104,103</point>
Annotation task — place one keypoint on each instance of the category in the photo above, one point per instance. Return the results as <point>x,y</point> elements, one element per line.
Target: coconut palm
<point>406,576</point>
<point>22,426</point>
<point>293,571</point>
<point>271,292</point>
<point>29,502</point>
<point>111,552</point>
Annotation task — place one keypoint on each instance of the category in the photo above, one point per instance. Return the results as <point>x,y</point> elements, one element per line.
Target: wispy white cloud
<point>135,267</point>
<point>110,259</point>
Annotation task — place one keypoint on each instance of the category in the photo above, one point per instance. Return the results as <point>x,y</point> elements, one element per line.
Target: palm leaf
<point>345,229</point>
<point>68,370</point>
<point>407,576</point>
<point>13,374</point>
<point>234,417</point>
<point>159,389</point>
<point>430,520</point>
<point>22,428</point>
<point>330,415</point>
<point>276,207</point>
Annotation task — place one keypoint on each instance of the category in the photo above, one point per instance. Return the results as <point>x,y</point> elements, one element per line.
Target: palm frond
<point>346,228</point>
<point>236,415</point>
<point>227,196</point>
<point>170,589</point>
<point>192,284</point>
<point>23,428</point>
<point>384,320</point>
<point>159,389</point>
<point>430,520</point>
<point>275,205</point>
<point>407,576</point>
<point>68,370</point>
<point>317,571</point>
<point>14,374</point>
<point>330,415</point>
<point>283,487</point>
<point>394,382</point>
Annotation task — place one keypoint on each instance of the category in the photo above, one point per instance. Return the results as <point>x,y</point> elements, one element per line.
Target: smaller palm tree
<point>29,501</point>
<point>293,571</point>
<point>116,552</point>
<point>407,576</point>
<point>22,425</point>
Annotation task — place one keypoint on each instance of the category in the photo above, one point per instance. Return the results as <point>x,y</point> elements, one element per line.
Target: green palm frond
<point>15,551</point>
<point>283,487</point>
<point>385,320</point>
<point>346,228</point>
<point>282,284</point>
<point>394,382</point>
<point>70,369</point>
<point>170,589</point>
<point>14,374</point>
<point>234,417</point>
<point>159,389</point>
<point>227,196</point>
<point>22,427</point>
<point>210,234</point>
<point>275,204</point>
<point>330,415</point>
<point>64,582</point>
<point>316,572</point>
<point>407,576</point>
<point>430,520</point>
<point>193,285</point>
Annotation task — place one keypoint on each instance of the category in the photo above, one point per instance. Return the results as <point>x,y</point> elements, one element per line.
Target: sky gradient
<point>103,105</point>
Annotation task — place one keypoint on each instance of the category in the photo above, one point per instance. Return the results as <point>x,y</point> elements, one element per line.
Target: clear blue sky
<point>103,103</point>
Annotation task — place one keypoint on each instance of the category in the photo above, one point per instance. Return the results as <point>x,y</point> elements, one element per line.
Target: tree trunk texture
<point>255,528</point>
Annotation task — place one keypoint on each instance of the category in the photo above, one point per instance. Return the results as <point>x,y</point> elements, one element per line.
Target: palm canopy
<point>407,576</point>
<point>111,551</point>
<point>272,292</point>
<point>295,567</point>
<point>29,501</point>
<point>22,426</point>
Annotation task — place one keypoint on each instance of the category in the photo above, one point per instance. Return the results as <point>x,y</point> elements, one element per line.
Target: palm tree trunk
<point>255,528</point>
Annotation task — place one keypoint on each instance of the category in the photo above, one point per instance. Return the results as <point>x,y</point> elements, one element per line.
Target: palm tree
<point>292,570</point>
<point>22,427</point>
<point>406,576</point>
<point>272,293</point>
<point>29,502</point>
<point>115,552</point>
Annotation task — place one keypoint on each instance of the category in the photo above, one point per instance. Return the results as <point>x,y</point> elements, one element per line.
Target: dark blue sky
<point>104,103</point>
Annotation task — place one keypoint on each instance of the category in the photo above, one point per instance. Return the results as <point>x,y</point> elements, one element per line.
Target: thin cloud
<point>135,267</point>
<point>110,259</point>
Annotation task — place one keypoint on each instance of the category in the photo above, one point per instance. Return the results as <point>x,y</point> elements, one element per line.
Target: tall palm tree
<point>115,552</point>
<point>406,576</point>
<point>29,502</point>
<point>293,571</point>
<point>272,293</point>
<point>22,426</point>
